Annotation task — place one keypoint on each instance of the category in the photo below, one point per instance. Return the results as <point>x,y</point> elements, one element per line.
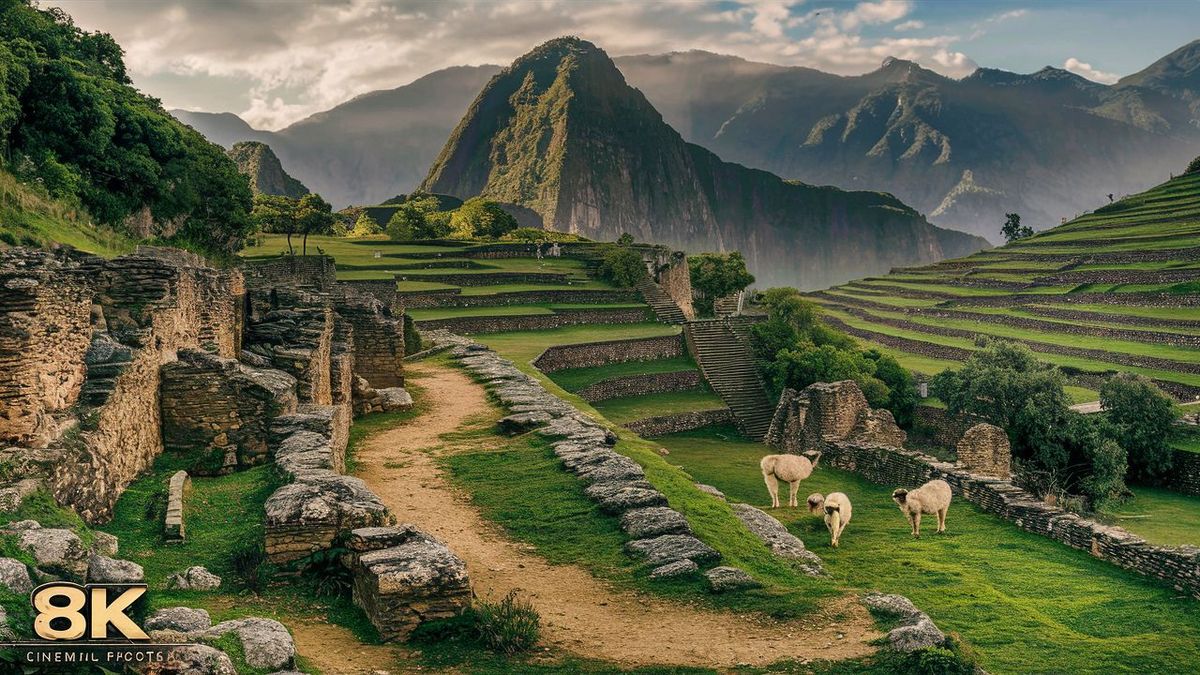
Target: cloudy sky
<point>276,61</point>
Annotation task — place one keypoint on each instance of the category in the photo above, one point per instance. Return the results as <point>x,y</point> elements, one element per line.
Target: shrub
<point>365,226</point>
<point>509,626</point>
<point>325,574</point>
<point>1142,417</point>
<point>405,223</point>
<point>622,266</point>
<point>248,565</point>
<point>478,217</point>
<point>1193,166</point>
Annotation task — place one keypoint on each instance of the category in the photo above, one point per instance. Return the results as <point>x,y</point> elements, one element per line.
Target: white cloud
<point>274,62</point>
<point>910,25</point>
<point>1005,16</point>
<point>1086,70</point>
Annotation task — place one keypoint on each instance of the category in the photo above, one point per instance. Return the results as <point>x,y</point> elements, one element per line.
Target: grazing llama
<point>838,510</point>
<point>790,469</point>
<point>932,497</point>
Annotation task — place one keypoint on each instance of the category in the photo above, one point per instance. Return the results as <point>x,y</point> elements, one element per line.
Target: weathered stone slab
<point>670,548</point>
<point>653,521</point>
<point>266,643</point>
<point>917,630</point>
<point>173,529</point>
<point>723,579</point>
<point>178,619</point>
<point>777,538</point>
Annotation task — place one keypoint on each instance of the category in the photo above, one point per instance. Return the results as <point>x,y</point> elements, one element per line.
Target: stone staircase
<point>728,365</point>
<point>664,307</point>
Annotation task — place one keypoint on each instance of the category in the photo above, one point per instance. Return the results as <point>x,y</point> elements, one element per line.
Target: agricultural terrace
<point>1075,614</point>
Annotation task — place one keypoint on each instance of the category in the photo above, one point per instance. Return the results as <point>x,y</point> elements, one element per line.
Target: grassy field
<point>574,379</point>
<point>525,346</point>
<point>1161,516</point>
<point>509,310</point>
<point>630,408</point>
<point>1024,603</point>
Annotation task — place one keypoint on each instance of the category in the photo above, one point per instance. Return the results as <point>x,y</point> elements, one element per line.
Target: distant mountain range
<point>561,133</point>
<point>1047,145</point>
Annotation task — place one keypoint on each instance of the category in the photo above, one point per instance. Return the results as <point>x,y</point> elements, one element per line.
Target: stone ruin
<point>829,412</point>
<point>107,364</point>
<point>984,450</point>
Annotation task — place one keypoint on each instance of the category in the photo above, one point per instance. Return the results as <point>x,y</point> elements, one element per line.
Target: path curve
<point>580,614</point>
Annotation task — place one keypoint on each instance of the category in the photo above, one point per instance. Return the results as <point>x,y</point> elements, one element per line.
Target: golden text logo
<point>67,611</point>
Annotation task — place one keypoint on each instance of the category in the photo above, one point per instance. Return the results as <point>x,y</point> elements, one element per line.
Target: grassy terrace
<point>510,310</point>
<point>574,379</point>
<point>1157,223</point>
<point>1023,602</point>
<point>631,408</point>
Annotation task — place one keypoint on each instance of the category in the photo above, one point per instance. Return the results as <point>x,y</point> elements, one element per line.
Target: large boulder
<point>195,578</point>
<point>266,643</point>
<point>178,619</point>
<point>105,570</point>
<point>669,548</point>
<point>55,551</point>
<point>653,521</point>
<point>916,630</point>
<point>192,660</point>
<point>15,576</point>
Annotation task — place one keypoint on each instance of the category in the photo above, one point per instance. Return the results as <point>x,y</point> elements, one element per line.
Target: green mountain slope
<point>1115,289</point>
<point>256,161</point>
<point>30,218</point>
<point>560,132</point>
<point>72,124</point>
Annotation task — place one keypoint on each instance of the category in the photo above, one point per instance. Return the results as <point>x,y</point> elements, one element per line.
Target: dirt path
<point>580,613</point>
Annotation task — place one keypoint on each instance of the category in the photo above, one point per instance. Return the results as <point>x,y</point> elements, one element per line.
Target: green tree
<point>365,226</point>
<point>1013,229</point>
<point>405,223</point>
<point>625,239</point>
<point>621,266</point>
<point>314,215</point>
<point>902,394</point>
<point>277,214</point>
<point>716,275</point>
<point>1142,417</point>
<point>1193,166</point>
<point>478,217</point>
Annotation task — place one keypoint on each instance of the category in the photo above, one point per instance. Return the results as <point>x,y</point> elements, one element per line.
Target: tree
<point>625,239</point>
<point>1013,229</point>
<point>622,266</point>
<point>276,213</point>
<point>902,394</point>
<point>478,217</point>
<point>1142,417</point>
<point>365,226</point>
<point>1192,167</point>
<point>314,215</point>
<point>405,223</point>
<point>716,275</point>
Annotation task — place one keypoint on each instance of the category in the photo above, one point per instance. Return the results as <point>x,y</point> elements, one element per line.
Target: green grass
<point>1023,602</point>
<point>28,218</point>
<point>574,379</point>
<point>525,346</point>
<point>1164,313</point>
<point>1163,517</point>
<point>509,310</point>
<point>1187,438</point>
<point>629,408</point>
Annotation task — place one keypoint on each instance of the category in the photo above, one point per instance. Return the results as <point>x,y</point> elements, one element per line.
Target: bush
<point>478,217</point>
<point>365,226</point>
<point>1142,417</point>
<point>509,626</point>
<point>622,266</point>
<point>1193,167</point>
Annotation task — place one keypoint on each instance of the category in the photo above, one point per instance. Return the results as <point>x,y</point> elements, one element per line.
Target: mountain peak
<point>258,162</point>
<point>1179,70</point>
<point>894,69</point>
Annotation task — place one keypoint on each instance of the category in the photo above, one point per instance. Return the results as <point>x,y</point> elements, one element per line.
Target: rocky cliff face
<point>266,174</point>
<point>1048,145</point>
<point>560,132</point>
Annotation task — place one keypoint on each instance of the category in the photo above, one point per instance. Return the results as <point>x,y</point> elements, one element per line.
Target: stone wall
<point>453,297</point>
<point>378,339</point>
<point>675,280</point>
<point>940,426</point>
<point>1185,472</point>
<point>216,411</point>
<point>685,421</point>
<point>559,318</point>
<point>292,329</point>
<point>1179,567</point>
<point>984,450</point>
<point>383,290</point>
<point>317,271</point>
<point>488,279</point>
<point>636,385</point>
<point>589,354</point>
<point>45,329</point>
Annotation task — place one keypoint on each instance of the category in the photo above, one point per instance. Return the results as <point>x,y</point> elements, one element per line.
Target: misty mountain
<point>561,133</point>
<point>255,160</point>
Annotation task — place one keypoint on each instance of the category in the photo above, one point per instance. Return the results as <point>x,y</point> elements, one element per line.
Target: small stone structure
<point>177,487</point>
<point>827,412</point>
<point>404,577</point>
<point>984,450</point>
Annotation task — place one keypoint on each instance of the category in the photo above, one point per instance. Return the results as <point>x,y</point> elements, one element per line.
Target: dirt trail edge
<point>580,614</point>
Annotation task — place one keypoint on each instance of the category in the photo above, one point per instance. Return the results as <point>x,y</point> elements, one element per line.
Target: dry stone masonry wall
<point>557,319</point>
<point>590,354</point>
<point>661,425</point>
<point>453,297</point>
<point>636,385</point>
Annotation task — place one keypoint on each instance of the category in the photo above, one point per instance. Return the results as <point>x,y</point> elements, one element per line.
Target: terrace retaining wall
<point>662,425</point>
<point>590,354</point>
<point>1185,472</point>
<point>317,271</point>
<point>558,319</point>
<point>488,279</point>
<point>453,297</point>
<point>637,385</point>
